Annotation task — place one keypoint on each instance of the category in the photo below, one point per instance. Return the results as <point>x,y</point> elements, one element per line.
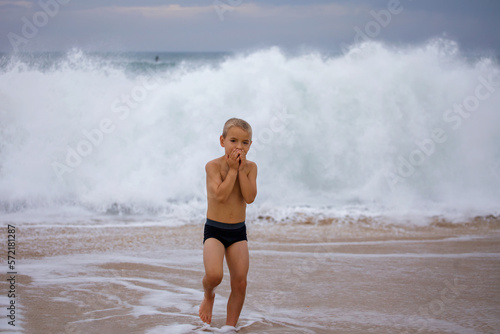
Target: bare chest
<point>223,175</point>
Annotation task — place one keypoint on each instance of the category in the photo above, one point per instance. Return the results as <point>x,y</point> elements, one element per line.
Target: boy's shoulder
<point>215,163</point>
<point>252,164</point>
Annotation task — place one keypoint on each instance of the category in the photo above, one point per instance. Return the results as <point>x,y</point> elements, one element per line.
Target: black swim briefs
<point>227,234</point>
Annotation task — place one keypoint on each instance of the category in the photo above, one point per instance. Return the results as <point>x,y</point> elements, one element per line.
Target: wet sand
<point>304,278</point>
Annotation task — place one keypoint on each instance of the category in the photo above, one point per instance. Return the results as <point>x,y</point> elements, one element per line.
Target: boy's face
<point>236,138</point>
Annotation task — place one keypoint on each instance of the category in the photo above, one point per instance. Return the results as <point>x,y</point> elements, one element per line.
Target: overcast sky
<point>236,25</point>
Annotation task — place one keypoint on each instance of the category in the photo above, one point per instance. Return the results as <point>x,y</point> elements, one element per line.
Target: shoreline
<point>303,278</point>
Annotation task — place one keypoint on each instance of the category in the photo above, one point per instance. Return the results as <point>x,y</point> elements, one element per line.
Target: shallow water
<point>303,279</point>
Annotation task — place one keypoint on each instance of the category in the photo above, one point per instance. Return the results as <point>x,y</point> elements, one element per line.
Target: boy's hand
<point>233,159</point>
<point>243,161</point>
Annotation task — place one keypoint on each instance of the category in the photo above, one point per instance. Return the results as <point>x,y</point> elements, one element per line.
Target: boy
<point>231,185</point>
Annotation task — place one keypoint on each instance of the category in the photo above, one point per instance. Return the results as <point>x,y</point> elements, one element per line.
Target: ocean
<point>378,131</point>
<point>378,183</point>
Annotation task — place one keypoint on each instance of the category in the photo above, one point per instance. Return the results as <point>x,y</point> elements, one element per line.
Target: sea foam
<point>378,130</point>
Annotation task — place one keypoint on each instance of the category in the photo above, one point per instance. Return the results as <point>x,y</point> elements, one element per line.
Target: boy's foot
<point>206,309</point>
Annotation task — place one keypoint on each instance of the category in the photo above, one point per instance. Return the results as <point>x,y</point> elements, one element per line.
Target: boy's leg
<point>213,258</point>
<point>238,262</point>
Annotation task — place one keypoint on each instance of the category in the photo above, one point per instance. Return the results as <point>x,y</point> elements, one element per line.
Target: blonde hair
<point>236,122</point>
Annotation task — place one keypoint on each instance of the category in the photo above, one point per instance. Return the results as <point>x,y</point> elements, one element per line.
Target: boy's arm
<point>216,187</point>
<point>248,181</point>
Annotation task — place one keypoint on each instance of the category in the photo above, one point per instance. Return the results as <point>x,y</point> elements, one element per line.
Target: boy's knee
<point>239,284</point>
<point>213,279</point>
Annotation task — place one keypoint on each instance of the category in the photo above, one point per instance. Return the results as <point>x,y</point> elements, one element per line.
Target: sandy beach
<point>327,277</point>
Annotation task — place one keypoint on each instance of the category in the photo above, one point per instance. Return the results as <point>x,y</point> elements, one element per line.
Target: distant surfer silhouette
<point>157,58</point>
